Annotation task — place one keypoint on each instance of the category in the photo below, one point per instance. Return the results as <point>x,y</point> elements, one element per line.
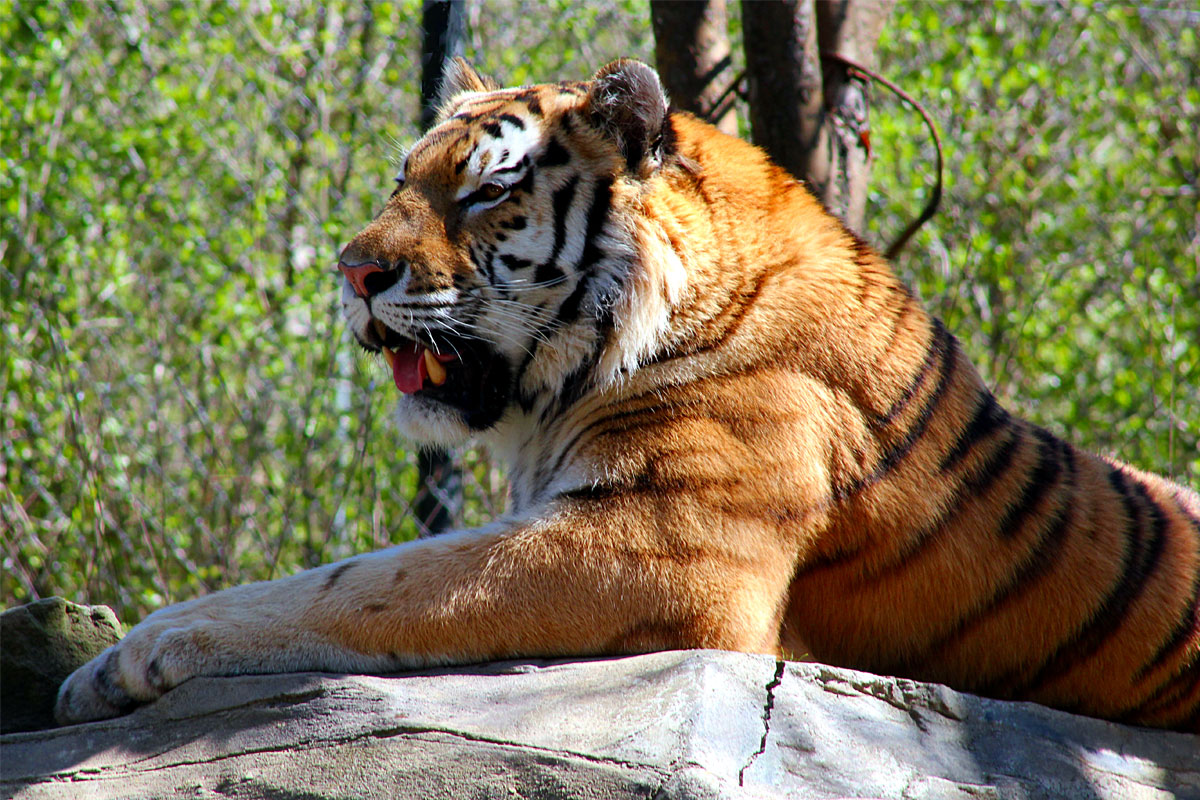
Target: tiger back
<point>727,425</point>
<point>748,369</point>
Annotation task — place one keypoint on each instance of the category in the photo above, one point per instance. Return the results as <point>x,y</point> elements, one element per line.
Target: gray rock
<point>43,643</point>
<point>694,724</point>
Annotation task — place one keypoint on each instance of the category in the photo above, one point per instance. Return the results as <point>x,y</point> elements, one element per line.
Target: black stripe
<point>1043,477</point>
<point>561,202</point>
<point>981,478</point>
<point>525,184</point>
<point>432,139</point>
<point>569,448</point>
<point>573,387</point>
<point>600,491</point>
<point>576,383</point>
<point>1191,723</point>
<point>989,417</point>
<point>514,263</point>
<point>513,120</point>
<point>978,481</point>
<point>1170,692</point>
<point>514,224</point>
<point>520,164</point>
<point>548,271</point>
<point>1039,560</point>
<point>468,117</point>
<point>732,316</point>
<point>335,575</point>
<point>635,150</point>
<point>1141,559</point>
<point>1185,628</point>
<point>527,402</point>
<point>555,155</point>
<point>947,346</point>
<point>568,312</point>
<point>649,416</point>
<point>461,165</point>
<point>579,380</point>
<point>493,129</point>
<point>936,349</point>
<point>534,105</point>
<point>596,217</point>
<point>485,258</point>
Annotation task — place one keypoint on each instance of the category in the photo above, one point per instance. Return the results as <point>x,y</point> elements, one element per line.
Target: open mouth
<point>467,374</point>
<point>414,365</point>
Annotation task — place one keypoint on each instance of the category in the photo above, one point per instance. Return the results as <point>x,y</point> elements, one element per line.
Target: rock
<point>43,643</point>
<point>692,724</point>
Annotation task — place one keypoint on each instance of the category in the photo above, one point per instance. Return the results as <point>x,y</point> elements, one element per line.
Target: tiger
<point>727,424</point>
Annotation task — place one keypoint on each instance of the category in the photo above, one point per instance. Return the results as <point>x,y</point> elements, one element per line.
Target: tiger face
<point>490,279</point>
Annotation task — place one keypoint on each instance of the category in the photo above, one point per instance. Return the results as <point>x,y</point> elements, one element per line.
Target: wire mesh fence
<point>181,408</point>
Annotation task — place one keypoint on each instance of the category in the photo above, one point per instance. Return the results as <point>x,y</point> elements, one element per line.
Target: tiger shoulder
<point>761,394</point>
<point>728,424</point>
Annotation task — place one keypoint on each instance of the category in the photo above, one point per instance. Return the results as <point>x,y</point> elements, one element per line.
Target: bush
<point>183,409</point>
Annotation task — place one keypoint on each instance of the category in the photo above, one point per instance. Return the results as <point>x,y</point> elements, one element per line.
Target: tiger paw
<point>168,648</point>
<point>92,692</point>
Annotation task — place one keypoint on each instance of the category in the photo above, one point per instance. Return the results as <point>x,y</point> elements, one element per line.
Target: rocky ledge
<point>693,724</point>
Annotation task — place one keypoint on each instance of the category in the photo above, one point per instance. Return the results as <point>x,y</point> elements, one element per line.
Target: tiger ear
<point>458,77</point>
<point>628,101</point>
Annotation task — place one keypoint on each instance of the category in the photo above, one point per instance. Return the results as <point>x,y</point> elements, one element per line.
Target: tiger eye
<point>492,191</point>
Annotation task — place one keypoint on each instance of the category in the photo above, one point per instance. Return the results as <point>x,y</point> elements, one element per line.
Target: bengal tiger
<point>728,425</point>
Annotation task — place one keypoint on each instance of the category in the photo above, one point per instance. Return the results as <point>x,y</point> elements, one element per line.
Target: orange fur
<point>769,446</point>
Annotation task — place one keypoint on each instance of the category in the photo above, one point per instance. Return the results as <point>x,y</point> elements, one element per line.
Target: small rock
<point>44,642</point>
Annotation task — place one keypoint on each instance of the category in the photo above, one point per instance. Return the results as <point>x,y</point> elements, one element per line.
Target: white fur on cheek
<point>642,317</point>
<point>354,310</point>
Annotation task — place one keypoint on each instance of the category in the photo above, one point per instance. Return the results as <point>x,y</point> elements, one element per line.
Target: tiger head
<point>499,278</point>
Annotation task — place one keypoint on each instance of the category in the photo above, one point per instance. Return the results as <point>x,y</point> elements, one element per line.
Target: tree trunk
<point>783,74</point>
<point>806,110</point>
<point>849,28</point>
<point>438,500</point>
<point>691,46</point>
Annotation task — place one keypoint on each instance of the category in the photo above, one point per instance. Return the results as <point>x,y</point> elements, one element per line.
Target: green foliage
<point>181,408</point>
<point>1066,254</point>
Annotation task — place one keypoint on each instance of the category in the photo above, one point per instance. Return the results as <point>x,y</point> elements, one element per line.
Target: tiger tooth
<point>434,368</point>
<point>391,357</point>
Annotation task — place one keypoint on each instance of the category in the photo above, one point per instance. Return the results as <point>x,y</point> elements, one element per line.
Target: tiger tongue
<point>413,365</point>
<point>408,368</point>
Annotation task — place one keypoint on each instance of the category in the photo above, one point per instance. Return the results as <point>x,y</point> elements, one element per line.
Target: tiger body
<point>728,425</point>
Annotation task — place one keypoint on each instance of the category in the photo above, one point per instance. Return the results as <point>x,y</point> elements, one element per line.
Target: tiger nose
<point>357,275</point>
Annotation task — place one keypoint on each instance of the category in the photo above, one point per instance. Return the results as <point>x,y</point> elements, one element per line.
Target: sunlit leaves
<point>180,408</point>
<point>1070,221</point>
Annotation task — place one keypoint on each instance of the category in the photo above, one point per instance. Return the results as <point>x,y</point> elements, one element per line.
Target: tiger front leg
<point>256,628</point>
<point>555,588</point>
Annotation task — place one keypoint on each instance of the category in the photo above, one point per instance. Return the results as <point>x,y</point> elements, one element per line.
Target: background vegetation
<point>182,408</point>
